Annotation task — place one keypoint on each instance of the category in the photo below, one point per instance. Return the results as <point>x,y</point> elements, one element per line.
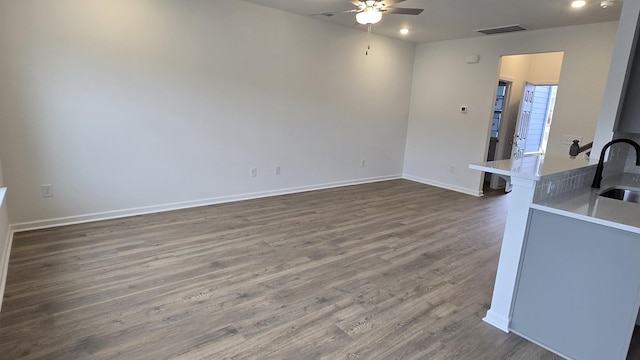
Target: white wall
<point>546,68</point>
<point>621,61</point>
<point>1,176</point>
<point>123,105</point>
<point>440,137</point>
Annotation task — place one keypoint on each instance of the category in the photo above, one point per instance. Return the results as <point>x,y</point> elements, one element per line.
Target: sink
<point>622,193</point>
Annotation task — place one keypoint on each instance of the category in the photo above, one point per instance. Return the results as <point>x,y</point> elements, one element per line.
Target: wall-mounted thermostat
<point>463,109</point>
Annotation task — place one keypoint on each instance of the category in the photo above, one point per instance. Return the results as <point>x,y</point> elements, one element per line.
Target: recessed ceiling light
<point>578,3</point>
<point>404,31</point>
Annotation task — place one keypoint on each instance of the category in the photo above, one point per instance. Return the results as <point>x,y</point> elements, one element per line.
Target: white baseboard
<point>108,215</point>
<point>443,185</point>
<point>497,321</point>
<point>6,253</point>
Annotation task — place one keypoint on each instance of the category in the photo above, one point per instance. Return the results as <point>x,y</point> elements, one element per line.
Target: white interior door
<point>522,124</point>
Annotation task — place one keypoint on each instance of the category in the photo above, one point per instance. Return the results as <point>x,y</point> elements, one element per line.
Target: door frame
<point>503,137</point>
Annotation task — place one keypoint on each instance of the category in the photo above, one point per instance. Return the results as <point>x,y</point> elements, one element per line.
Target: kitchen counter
<point>582,203</point>
<point>577,290</point>
<point>559,185</point>
<point>531,167</point>
<point>585,204</point>
<point>584,249</point>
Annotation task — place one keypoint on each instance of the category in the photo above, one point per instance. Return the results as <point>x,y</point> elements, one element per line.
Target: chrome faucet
<point>598,177</point>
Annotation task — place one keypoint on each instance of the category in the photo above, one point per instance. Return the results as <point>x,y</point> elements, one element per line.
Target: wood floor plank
<point>388,270</point>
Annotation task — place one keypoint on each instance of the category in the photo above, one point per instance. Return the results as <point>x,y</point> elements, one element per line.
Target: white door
<point>522,125</point>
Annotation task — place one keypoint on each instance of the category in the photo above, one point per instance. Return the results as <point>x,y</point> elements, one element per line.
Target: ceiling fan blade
<point>402,11</point>
<point>332,13</point>
<point>388,3</point>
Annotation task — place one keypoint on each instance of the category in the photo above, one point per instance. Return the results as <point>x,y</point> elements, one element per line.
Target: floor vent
<point>501,29</point>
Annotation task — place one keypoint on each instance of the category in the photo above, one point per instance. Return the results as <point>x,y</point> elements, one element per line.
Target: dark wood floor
<point>390,270</point>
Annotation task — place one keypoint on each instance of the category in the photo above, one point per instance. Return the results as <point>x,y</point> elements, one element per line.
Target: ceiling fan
<point>370,12</point>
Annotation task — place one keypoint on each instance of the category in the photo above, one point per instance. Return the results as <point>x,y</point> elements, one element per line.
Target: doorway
<point>500,110</point>
<point>515,72</point>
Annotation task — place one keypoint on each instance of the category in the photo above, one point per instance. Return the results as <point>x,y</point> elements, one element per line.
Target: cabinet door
<point>578,287</point>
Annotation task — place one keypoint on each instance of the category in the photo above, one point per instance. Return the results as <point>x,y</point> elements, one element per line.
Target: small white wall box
<point>464,108</point>
<point>473,59</point>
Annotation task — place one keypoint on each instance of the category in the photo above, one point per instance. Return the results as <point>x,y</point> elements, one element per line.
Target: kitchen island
<point>569,271</point>
<point>525,176</point>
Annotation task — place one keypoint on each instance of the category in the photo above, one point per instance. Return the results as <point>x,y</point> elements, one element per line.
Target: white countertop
<point>531,167</point>
<point>585,204</point>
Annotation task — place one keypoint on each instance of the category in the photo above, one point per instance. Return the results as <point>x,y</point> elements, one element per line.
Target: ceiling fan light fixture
<point>369,16</point>
<point>578,3</point>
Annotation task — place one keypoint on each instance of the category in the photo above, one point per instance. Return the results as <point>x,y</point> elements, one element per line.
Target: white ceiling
<point>455,19</point>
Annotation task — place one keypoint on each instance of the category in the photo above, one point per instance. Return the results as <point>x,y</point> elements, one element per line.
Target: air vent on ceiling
<point>501,29</point>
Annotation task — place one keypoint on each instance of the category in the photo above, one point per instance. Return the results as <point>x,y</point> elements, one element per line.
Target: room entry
<point>502,99</point>
<point>525,98</point>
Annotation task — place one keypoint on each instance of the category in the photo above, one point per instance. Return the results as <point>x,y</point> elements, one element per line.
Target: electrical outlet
<point>568,139</point>
<point>47,190</point>
<point>253,172</point>
<point>363,163</point>
<point>277,170</point>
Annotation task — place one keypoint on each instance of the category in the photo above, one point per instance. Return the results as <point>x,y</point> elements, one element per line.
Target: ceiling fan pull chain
<point>368,40</point>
